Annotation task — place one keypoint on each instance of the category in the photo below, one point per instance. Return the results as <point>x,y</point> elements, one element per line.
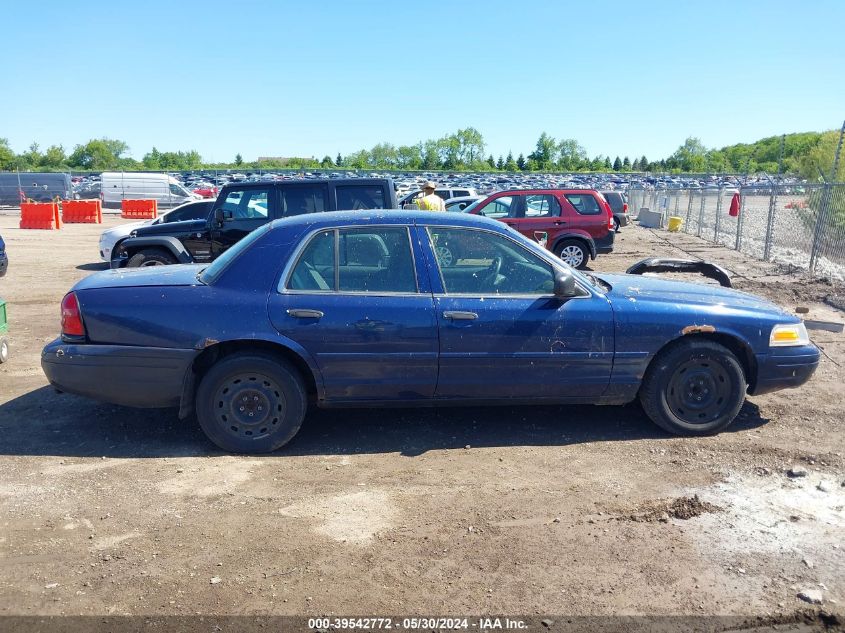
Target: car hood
<point>125,229</point>
<point>655,289</point>
<point>173,228</point>
<point>175,275</point>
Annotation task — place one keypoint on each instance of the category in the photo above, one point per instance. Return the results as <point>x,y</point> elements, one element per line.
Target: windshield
<point>211,273</point>
<point>470,207</point>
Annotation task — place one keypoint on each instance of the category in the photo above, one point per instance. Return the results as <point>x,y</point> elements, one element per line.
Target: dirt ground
<point>543,510</point>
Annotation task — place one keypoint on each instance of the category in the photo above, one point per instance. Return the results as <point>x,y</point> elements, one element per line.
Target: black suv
<point>241,208</point>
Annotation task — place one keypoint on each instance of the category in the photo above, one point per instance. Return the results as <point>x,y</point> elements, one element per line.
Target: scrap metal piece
<point>668,265</point>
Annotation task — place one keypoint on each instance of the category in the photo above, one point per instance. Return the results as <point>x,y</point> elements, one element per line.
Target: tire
<point>573,252</point>
<point>251,403</point>
<point>4,350</point>
<point>693,388</point>
<point>151,257</point>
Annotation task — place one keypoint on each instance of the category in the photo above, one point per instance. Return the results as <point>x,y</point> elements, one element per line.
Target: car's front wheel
<point>693,387</point>
<point>151,257</point>
<point>251,403</point>
<point>573,253</point>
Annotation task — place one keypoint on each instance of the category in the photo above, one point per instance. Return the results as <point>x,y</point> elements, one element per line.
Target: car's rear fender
<point>283,347</point>
<point>575,234</point>
<point>124,249</point>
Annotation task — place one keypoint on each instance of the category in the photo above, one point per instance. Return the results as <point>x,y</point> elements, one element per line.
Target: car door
<point>352,297</point>
<point>244,211</point>
<point>539,214</point>
<point>503,333</point>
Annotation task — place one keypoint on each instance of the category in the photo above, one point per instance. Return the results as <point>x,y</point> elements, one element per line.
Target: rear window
<point>350,198</point>
<point>212,273</point>
<point>584,203</point>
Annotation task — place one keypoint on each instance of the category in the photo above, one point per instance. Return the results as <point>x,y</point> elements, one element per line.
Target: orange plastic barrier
<point>82,212</point>
<point>40,215</point>
<point>139,209</point>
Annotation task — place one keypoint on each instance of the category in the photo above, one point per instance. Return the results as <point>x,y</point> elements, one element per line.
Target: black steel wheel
<point>251,403</point>
<point>693,387</point>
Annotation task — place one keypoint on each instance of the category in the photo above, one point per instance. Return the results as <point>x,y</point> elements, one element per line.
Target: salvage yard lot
<point>576,510</point>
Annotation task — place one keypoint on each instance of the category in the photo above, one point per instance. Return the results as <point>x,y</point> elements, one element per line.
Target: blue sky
<point>315,78</point>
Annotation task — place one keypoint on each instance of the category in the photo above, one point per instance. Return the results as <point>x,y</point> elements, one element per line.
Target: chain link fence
<point>796,225</point>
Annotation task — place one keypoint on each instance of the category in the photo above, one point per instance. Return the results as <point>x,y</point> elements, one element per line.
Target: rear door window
<point>541,205</point>
<point>301,199</point>
<point>353,197</point>
<point>584,203</point>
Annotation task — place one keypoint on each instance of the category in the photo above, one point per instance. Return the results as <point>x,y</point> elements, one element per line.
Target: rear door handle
<point>559,222</point>
<point>305,314</point>
<point>458,315</point>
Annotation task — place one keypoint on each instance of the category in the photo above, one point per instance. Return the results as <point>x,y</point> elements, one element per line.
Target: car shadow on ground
<point>43,422</point>
<point>94,266</point>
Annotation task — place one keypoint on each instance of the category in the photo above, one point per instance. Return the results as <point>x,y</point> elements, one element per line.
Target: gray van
<point>35,186</point>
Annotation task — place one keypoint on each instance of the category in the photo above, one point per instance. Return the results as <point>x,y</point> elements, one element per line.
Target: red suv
<point>578,223</point>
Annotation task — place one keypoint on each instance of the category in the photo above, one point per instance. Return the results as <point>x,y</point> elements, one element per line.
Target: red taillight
<point>624,207</point>
<point>71,317</point>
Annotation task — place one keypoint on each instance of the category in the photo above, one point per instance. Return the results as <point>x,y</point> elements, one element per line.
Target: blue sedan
<point>407,308</point>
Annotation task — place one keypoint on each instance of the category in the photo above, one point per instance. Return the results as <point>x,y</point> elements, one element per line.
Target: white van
<point>130,185</point>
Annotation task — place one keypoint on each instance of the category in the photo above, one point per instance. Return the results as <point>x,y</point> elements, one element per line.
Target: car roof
<point>366,217</point>
<point>306,181</point>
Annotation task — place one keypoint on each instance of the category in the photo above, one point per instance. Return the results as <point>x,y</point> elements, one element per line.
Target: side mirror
<point>564,284</point>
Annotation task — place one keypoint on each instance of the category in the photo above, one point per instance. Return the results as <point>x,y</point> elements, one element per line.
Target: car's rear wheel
<point>616,224</point>
<point>151,257</point>
<point>573,253</point>
<point>251,403</point>
<point>693,387</point>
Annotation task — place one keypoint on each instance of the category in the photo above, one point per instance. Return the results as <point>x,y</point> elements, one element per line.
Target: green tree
<point>54,157</point>
<point>327,162</point>
<point>607,165</point>
<point>617,164</point>
<point>239,160</point>
<point>98,155</point>
<point>31,159</point>
<point>339,160</point>
<point>690,157</point>
<point>520,163</point>
<point>500,163</point>
<point>7,156</point>
<point>643,164</point>
<point>626,164</point>
<point>544,152</point>
<point>818,160</point>
<point>510,164</point>
<point>571,155</point>
<point>635,166</point>
<point>491,161</point>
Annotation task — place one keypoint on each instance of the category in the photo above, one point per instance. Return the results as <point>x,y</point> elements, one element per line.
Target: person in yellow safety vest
<point>430,201</point>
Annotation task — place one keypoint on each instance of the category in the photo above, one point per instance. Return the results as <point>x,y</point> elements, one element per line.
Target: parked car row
<point>576,224</point>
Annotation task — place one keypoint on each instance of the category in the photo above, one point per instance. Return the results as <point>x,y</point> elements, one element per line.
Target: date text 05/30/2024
<point>417,623</point>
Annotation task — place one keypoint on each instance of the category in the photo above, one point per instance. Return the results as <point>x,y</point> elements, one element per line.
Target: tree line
<point>805,154</point>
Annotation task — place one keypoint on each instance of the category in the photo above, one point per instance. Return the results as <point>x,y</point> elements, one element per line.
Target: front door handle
<point>458,315</point>
<point>305,314</point>
<point>559,222</point>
